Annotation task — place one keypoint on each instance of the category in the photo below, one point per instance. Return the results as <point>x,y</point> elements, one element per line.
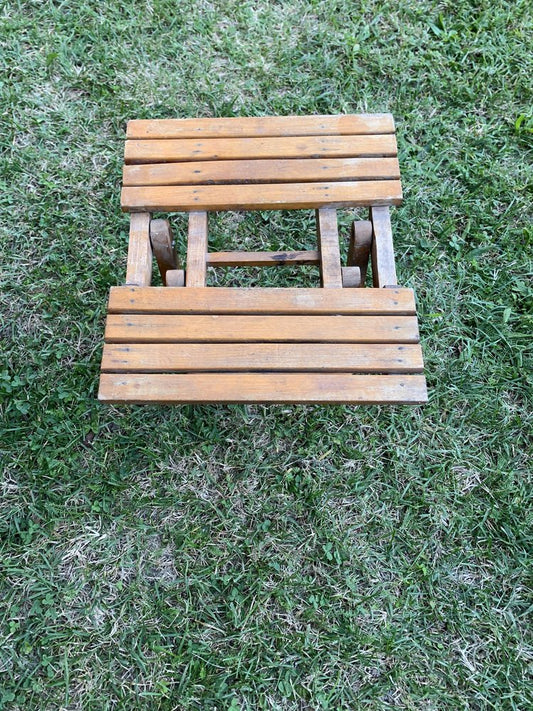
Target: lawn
<point>267,557</point>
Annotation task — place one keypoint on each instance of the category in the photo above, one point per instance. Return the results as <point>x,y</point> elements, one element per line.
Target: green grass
<point>267,557</point>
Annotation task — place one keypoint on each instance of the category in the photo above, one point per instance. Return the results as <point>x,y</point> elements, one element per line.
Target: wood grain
<point>261,171</point>
<point>188,149</point>
<point>228,300</point>
<point>262,387</point>
<point>193,357</point>
<point>261,259</point>
<point>157,328</point>
<point>196,250</point>
<point>383,264</point>
<point>139,265</point>
<point>328,247</point>
<point>284,196</point>
<point>240,127</point>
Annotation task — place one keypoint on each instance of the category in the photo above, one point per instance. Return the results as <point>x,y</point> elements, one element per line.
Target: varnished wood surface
<point>139,265</point>
<point>196,250</point>
<point>319,357</point>
<point>228,300</point>
<point>242,127</point>
<point>188,149</point>
<point>261,171</point>
<point>208,328</point>
<point>273,196</point>
<point>262,387</point>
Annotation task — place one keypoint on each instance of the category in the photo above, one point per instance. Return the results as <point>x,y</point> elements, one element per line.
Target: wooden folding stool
<point>186,342</point>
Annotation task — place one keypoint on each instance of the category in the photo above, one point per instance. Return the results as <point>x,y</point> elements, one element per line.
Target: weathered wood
<point>262,387</point>
<point>139,266</point>
<point>189,149</point>
<point>383,266</point>
<point>240,127</point>
<point>228,300</point>
<point>175,277</point>
<point>285,196</point>
<point>351,277</point>
<point>196,250</point>
<point>261,259</point>
<point>319,357</point>
<point>162,246</point>
<point>261,171</point>
<point>157,328</point>
<point>360,246</point>
<point>328,246</point>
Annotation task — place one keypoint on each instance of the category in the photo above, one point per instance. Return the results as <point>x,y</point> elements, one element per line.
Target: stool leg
<point>195,274</point>
<point>360,246</point>
<point>139,269</point>
<point>328,245</point>
<point>164,252</point>
<point>383,266</point>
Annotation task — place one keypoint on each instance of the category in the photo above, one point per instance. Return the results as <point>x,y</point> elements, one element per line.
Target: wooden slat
<point>240,127</point>
<point>156,328</point>
<point>263,387</point>
<point>190,357</point>
<point>261,171</point>
<point>285,196</point>
<point>188,149</point>
<point>383,266</point>
<point>139,265</point>
<point>228,300</point>
<point>196,250</point>
<point>261,259</point>
<point>328,245</point>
